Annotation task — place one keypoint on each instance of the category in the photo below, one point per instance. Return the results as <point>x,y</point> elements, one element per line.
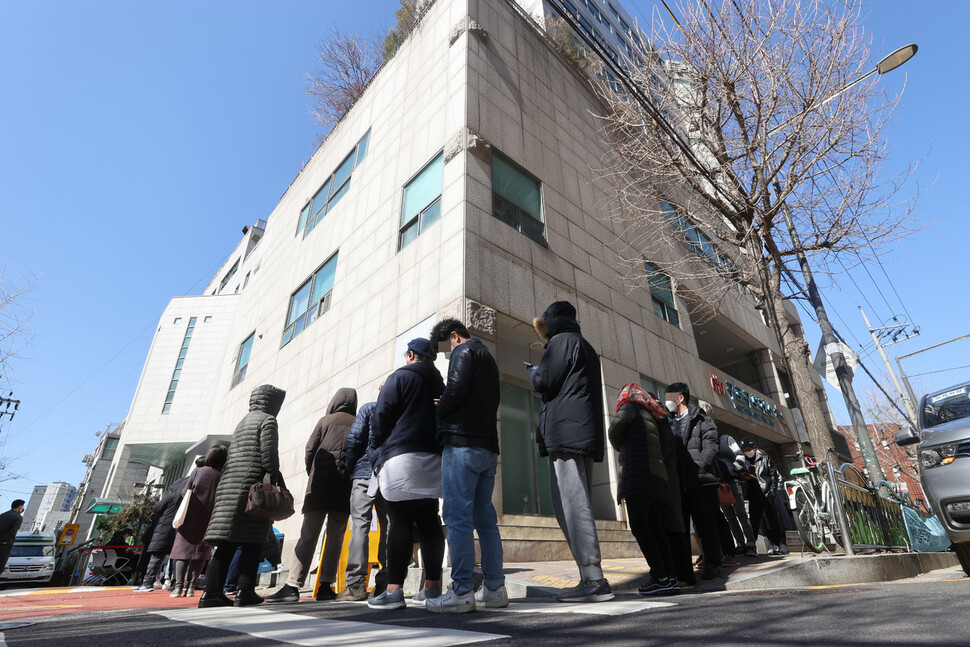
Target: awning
<point>105,506</point>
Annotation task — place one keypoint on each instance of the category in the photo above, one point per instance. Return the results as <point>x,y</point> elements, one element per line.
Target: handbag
<point>270,501</point>
<point>192,509</point>
<point>186,503</point>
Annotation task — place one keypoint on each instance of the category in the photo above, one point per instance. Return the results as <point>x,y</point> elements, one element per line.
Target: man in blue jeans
<point>467,415</point>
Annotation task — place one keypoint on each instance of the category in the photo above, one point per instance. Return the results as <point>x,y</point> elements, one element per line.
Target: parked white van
<point>32,558</point>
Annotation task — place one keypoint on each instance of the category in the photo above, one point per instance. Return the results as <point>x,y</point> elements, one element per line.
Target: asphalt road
<point>929,610</point>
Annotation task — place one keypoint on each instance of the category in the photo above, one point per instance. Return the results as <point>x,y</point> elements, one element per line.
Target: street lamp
<point>830,343</point>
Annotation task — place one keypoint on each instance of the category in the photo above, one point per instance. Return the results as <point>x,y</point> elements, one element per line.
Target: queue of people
<point>426,439</point>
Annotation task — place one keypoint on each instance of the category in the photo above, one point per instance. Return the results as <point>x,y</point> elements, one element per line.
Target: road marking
<point>3,643</point>
<point>611,608</point>
<point>62,590</point>
<point>319,632</point>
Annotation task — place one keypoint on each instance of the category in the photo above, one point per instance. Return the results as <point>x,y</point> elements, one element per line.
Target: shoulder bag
<point>269,501</point>
<point>189,505</point>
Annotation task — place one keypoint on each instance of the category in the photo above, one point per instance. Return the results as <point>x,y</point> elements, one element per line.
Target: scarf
<point>638,395</point>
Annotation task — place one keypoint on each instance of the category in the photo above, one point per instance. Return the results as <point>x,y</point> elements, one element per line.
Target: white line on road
<point>611,608</point>
<point>318,632</point>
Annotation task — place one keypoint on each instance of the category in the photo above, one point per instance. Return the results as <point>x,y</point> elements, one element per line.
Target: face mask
<point>750,452</point>
<point>671,406</point>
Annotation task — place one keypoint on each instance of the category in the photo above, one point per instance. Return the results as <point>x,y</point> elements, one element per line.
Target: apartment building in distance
<point>459,184</point>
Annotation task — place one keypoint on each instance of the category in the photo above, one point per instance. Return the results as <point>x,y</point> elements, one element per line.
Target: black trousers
<point>728,547</point>
<point>423,514</point>
<point>758,505</point>
<point>683,564</point>
<point>700,505</point>
<point>215,574</point>
<point>646,517</point>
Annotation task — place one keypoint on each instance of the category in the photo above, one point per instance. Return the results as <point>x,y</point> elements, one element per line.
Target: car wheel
<point>963,553</point>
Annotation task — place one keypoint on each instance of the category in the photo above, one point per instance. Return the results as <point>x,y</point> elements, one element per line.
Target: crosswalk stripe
<point>319,632</point>
<point>611,608</point>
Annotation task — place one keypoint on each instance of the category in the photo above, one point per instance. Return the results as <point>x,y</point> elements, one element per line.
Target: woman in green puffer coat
<point>254,453</point>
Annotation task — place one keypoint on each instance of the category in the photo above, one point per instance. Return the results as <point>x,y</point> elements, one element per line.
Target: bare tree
<point>739,112</point>
<point>347,63</point>
<point>15,316</point>
<point>407,15</point>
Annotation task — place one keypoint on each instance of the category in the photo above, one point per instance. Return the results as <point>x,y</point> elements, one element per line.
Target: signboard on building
<point>747,403</point>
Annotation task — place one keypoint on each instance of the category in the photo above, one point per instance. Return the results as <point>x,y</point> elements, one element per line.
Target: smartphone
<point>529,366</point>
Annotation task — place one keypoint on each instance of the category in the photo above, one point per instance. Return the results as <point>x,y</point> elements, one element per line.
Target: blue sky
<point>137,139</point>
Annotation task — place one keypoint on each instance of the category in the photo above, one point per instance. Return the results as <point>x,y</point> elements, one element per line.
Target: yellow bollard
<point>373,541</point>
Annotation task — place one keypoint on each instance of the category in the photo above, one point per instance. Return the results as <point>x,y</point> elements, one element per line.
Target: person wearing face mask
<point>697,443</point>
<point>763,480</point>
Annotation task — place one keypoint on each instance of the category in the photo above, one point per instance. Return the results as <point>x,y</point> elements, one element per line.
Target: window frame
<point>299,323</point>
<point>419,218</point>
<point>519,212</point>
<point>310,214</point>
<point>239,374</point>
<point>663,308</point>
<point>228,277</point>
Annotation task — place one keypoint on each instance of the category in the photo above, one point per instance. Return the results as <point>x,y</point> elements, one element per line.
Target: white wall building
<point>460,183</point>
<point>54,506</point>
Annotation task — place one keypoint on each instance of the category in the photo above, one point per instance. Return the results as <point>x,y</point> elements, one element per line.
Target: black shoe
<point>710,572</point>
<point>588,591</point>
<point>209,600</point>
<point>248,598</point>
<point>664,586</point>
<point>326,593</point>
<point>286,593</point>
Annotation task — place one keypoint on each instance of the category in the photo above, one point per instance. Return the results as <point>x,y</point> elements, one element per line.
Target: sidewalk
<point>539,579</point>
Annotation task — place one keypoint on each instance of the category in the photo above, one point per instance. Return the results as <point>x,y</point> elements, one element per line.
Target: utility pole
<point>833,348</point>
<point>896,330</point>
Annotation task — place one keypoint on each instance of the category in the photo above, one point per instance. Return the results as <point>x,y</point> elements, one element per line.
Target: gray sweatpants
<point>307,544</point>
<point>571,479</point>
<point>361,505</point>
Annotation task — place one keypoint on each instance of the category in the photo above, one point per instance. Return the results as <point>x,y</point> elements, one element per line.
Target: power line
<point>889,280</point>
<point>876,285</point>
<point>942,370</point>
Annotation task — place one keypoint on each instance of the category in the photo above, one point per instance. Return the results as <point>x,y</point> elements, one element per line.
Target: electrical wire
<point>942,370</point>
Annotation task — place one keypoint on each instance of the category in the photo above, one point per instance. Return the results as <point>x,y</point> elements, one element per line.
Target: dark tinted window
<point>946,406</point>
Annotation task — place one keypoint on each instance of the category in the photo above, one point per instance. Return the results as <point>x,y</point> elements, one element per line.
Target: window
<point>242,361</point>
<point>336,187</point>
<point>699,243</point>
<point>310,300</point>
<point>229,275</point>
<point>516,198</point>
<point>653,387</point>
<point>110,446</point>
<point>422,201</point>
<point>177,320</point>
<point>177,373</point>
<point>207,319</point>
<point>662,294</point>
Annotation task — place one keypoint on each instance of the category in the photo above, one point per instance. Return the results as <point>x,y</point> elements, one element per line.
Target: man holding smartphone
<point>572,434</point>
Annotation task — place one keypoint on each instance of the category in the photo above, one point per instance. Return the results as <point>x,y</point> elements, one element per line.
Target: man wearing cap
<point>9,525</point>
<point>406,456</point>
<point>571,432</point>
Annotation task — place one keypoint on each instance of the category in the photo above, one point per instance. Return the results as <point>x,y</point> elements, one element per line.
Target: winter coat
<point>404,417</point>
<point>730,458</point>
<point>697,448</point>
<point>468,409</point>
<point>253,453</point>
<point>204,482</point>
<point>164,536</point>
<point>568,377</point>
<point>9,525</point>
<point>328,488</point>
<point>767,476</point>
<point>358,464</point>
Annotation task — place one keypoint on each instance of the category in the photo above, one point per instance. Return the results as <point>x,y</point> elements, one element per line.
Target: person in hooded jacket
<point>731,462</point>
<point>649,486</point>
<point>253,454</point>
<point>696,437</point>
<point>327,497</point>
<point>764,482</point>
<point>188,551</point>
<point>571,433</point>
<point>406,456</point>
<point>163,538</point>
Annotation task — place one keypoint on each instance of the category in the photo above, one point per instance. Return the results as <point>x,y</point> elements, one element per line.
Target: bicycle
<point>811,498</point>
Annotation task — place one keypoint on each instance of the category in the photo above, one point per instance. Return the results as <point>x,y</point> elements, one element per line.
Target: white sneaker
<point>497,599</point>
<point>451,602</point>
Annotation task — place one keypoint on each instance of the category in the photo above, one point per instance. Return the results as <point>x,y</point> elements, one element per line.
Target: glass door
<point>525,476</point>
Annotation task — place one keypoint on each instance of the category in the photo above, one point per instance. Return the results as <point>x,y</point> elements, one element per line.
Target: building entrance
<point>525,476</point>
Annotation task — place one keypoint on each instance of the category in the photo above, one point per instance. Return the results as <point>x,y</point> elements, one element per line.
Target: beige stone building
<point>461,183</point>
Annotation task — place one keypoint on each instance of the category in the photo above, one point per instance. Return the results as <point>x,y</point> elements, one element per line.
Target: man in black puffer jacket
<point>696,436</point>
<point>571,432</point>
<point>467,414</point>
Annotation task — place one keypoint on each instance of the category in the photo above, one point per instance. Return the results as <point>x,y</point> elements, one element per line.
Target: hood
<point>558,317</point>
<point>343,401</point>
<point>949,432</point>
<point>267,398</point>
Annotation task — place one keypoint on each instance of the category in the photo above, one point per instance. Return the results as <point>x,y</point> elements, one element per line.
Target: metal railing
<point>868,519</point>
